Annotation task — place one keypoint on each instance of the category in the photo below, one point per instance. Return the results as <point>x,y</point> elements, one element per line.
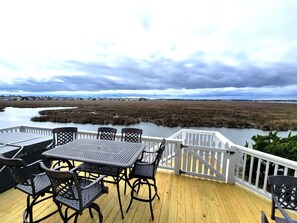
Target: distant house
<point>14,98</point>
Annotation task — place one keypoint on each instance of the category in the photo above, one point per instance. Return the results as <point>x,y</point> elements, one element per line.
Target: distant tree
<point>273,144</point>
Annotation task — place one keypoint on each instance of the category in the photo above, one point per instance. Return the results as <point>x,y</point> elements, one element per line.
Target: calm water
<point>22,116</point>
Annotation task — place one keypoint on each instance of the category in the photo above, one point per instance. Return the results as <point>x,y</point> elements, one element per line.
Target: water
<point>22,116</point>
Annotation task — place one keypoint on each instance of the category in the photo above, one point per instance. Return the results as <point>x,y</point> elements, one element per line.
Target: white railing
<point>152,143</point>
<point>246,166</point>
<point>253,168</point>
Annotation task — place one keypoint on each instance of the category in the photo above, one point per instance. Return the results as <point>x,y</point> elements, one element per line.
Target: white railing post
<point>178,158</point>
<point>230,175</point>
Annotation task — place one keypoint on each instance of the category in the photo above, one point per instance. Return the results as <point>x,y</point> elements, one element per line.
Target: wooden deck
<point>183,199</point>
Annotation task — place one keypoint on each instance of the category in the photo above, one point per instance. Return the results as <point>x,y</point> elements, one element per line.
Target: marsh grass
<point>230,114</point>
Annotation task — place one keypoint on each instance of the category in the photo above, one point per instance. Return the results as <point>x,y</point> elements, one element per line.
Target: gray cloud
<point>161,74</point>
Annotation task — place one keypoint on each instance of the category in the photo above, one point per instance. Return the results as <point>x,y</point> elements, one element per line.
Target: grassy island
<point>169,113</point>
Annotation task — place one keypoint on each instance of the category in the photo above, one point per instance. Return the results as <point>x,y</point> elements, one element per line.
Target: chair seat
<point>41,182</point>
<point>88,195</point>
<point>143,170</point>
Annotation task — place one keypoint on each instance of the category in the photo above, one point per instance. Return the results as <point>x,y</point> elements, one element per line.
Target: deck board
<point>183,199</point>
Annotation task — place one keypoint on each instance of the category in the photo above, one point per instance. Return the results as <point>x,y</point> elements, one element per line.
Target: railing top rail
<point>265,156</point>
<point>223,139</point>
<point>206,132</point>
<point>175,134</point>
<point>10,128</point>
<point>220,137</point>
<point>144,138</point>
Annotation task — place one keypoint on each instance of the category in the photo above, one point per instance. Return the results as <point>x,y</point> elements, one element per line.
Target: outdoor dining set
<point>74,172</point>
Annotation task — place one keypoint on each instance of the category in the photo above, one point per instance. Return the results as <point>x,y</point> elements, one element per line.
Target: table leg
<point>127,180</point>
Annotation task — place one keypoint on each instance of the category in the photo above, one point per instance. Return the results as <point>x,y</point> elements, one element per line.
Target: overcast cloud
<point>215,49</point>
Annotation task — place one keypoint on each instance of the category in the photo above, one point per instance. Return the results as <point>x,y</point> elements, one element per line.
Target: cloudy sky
<point>214,49</point>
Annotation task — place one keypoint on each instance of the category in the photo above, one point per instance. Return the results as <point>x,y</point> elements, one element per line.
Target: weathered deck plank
<point>183,199</point>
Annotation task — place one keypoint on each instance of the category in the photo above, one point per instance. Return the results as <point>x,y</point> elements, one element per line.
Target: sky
<point>191,49</point>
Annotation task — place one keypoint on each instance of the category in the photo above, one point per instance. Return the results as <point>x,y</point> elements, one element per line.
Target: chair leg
<point>273,210</point>
<point>60,212</point>
<point>130,203</point>
<point>90,211</point>
<point>150,199</point>
<point>138,186</point>
<point>97,208</point>
<point>28,213</point>
<point>135,183</point>
<point>156,189</point>
<point>76,217</point>
<point>100,217</point>
<point>66,213</point>
<point>125,179</point>
<point>65,216</point>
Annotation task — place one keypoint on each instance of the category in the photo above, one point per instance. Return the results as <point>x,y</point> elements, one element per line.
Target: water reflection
<point>22,116</point>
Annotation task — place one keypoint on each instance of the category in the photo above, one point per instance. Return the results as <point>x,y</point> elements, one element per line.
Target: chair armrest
<point>94,182</point>
<point>284,213</point>
<point>50,146</point>
<point>145,151</point>
<point>32,168</point>
<point>34,163</point>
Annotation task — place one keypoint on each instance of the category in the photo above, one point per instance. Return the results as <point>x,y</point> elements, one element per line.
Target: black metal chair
<point>34,185</point>
<point>284,196</point>
<point>131,135</point>
<point>76,192</point>
<point>106,133</point>
<point>143,172</point>
<point>62,136</point>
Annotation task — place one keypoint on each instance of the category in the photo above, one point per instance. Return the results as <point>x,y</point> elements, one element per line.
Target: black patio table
<point>110,153</point>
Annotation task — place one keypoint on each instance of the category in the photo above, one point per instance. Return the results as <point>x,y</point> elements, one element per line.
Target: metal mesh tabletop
<point>113,153</point>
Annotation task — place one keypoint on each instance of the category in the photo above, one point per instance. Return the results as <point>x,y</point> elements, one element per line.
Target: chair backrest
<point>64,135</point>
<point>106,133</point>
<point>18,169</point>
<point>284,191</point>
<point>131,135</point>
<point>64,184</point>
<point>160,152</point>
